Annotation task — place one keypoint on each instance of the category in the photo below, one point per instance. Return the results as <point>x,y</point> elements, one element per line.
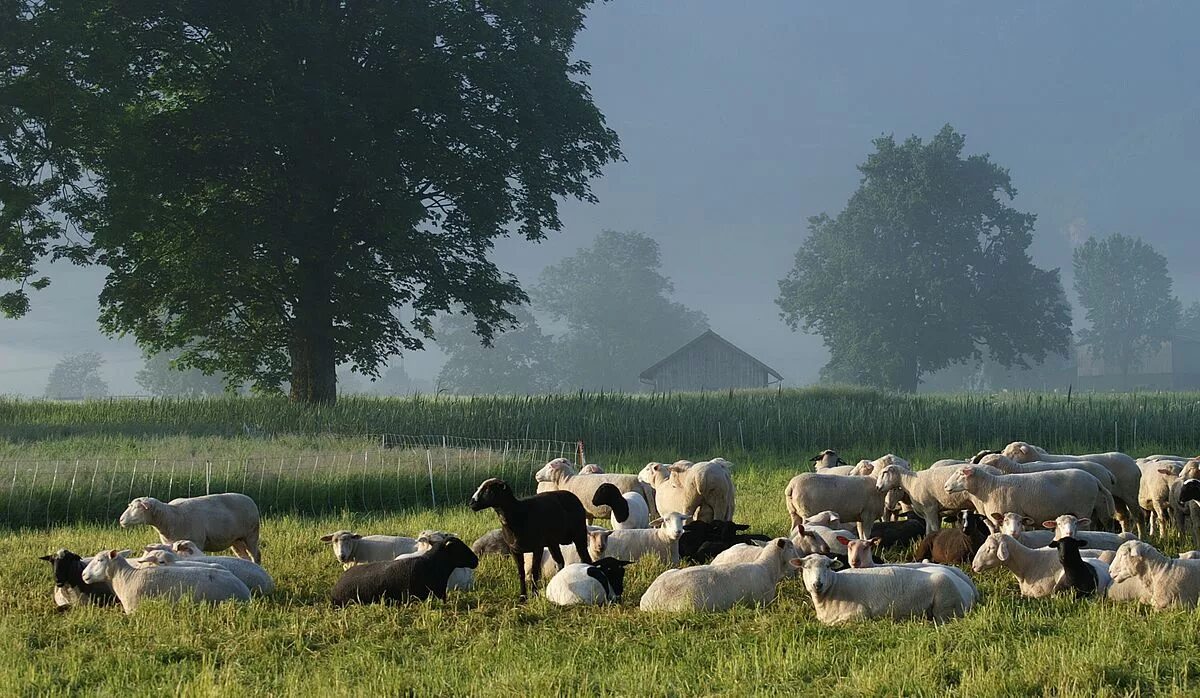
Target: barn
<point>709,362</point>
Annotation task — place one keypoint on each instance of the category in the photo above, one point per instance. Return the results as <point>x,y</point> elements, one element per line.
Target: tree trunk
<point>314,361</point>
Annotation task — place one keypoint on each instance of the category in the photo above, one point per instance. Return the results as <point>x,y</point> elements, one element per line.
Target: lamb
<point>853,498</point>
<point>721,587</point>
<point>629,510</point>
<point>214,522</point>
<point>186,552</point>
<point>352,549</point>
<point>661,542</point>
<point>596,584</point>
<point>490,543</point>
<point>880,592</point>
<point>1123,468</point>
<point>531,525</point>
<point>462,578</point>
<point>954,546</point>
<point>1085,579</point>
<point>403,580</point>
<point>1166,582</point>
<point>1038,572</point>
<point>928,496</point>
<point>562,477</point>
<point>860,556</point>
<point>1040,496</point>
<point>134,585</point>
<point>69,587</point>
<point>703,540</point>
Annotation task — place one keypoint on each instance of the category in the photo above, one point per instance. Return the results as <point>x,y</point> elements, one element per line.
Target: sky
<point>740,120</point>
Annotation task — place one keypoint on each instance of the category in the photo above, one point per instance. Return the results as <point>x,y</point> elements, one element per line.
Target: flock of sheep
<point>684,513</point>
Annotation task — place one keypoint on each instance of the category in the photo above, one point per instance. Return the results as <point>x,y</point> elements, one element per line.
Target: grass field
<point>481,642</point>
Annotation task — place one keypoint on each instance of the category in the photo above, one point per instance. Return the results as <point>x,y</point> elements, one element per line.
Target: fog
<point>739,121</point>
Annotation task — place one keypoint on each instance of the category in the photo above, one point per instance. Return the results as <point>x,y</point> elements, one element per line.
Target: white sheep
<point>859,499</point>
<point>704,490</point>
<point>927,494</point>
<point>352,549</point>
<point>1066,525</point>
<point>859,555</point>
<point>1154,492</point>
<point>1041,496</point>
<point>133,585</point>
<point>660,542</point>
<point>214,522</point>
<point>1009,466</point>
<point>559,474</point>
<point>721,587</point>
<point>252,575</point>
<point>1123,468</point>
<point>593,584</point>
<point>1166,582</point>
<point>828,461</point>
<point>879,592</point>
<point>805,541</point>
<point>1038,571</point>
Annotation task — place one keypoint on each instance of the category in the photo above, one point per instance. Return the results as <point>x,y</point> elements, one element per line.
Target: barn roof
<point>648,374</point>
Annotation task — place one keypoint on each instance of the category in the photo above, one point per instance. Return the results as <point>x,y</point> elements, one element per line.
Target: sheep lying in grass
<point>860,555</point>
<point>352,549</point>
<point>703,540</point>
<point>186,552</point>
<point>806,542</point>
<point>417,577</point>
<point>954,546</point>
<point>172,582</point>
<point>69,587</point>
<point>595,584</point>
<point>720,587</point>
<point>561,476</point>
<point>660,542</point>
<point>1166,582</point>
<point>490,543</point>
<point>1038,571</point>
<point>879,592</point>
<point>1086,580</point>
<point>462,578</point>
<point>214,522</point>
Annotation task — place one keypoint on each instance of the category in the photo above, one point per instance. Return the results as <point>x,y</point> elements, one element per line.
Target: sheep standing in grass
<point>214,522</point>
<point>857,499</point>
<point>1040,496</point>
<point>172,582</point>
<point>69,587</point>
<point>561,476</point>
<point>721,587</point>
<point>186,552</point>
<point>703,490</point>
<point>595,584</point>
<point>629,510</point>
<point>352,549</point>
<point>879,592</point>
<point>1166,582</point>
<point>406,579</point>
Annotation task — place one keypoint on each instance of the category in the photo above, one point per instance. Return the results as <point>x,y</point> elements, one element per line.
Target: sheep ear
<point>1167,471</point>
<point>1002,550</point>
<point>144,504</point>
<point>112,554</point>
<point>837,565</point>
<point>1052,544</point>
<point>875,541</point>
<point>780,543</point>
<point>1028,520</point>
<point>843,540</point>
<point>1049,524</point>
<point>842,462</point>
<point>968,470</point>
<point>1084,521</point>
<point>998,516</point>
<point>796,562</point>
<point>47,558</point>
<point>326,539</point>
<point>815,458</point>
<point>656,523</point>
<point>800,529</point>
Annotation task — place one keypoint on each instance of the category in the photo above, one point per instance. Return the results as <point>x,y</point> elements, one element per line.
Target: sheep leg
<point>537,569</point>
<point>581,547</point>
<point>520,560</point>
<point>864,529</point>
<point>557,556</point>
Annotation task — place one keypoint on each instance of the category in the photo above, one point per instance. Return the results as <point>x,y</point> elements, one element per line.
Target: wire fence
<point>398,472</point>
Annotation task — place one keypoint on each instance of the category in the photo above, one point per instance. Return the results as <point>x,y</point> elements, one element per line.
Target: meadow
<point>483,642</point>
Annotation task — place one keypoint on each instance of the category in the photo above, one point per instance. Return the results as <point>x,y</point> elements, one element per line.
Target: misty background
<point>738,123</point>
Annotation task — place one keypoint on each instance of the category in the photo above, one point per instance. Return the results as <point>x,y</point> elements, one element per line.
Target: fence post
<point>207,476</point>
<point>429,462</point>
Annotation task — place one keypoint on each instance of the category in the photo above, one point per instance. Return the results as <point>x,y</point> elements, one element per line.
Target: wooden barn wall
<point>710,366</point>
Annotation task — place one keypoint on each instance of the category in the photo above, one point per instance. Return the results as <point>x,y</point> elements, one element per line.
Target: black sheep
<point>608,495</point>
<point>405,579</point>
<point>68,579</point>
<point>1077,574</point>
<point>610,572</point>
<point>898,533</point>
<point>545,520</point>
<point>954,546</point>
<point>703,540</point>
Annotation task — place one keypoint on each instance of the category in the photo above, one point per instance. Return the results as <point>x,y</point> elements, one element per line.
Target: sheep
<point>591,469</point>
<point>352,549</point>
<point>953,546</point>
<point>857,499</point>
<point>893,534</point>
<point>721,587</point>
<point>1038,571</point>
<point>490,543</point>
<point>661,542</point>
<point>1066,525</point>
<point>879,592</point>
<point>134,585</point>
<point>1085,579</point>
<point>214,522</point>
<point>704,490</point>
<point>828,535</point>
<point>462,578</point>
<point>253,576</point>
<point>629,510</point>
<point>827,460</point>
<point>703,540</point>
<point>860,556</point>
<point>1185,496</point>
<point>1123,468</point>
<point>1038,495</point>
<point>595,584</point>
<point>1154,493</point>
<point>928,496</point>
<point>1008,466</point>
<point>806,542</point>
<point>398,581</point>
<point>69,587</point>
<point>563,477</point>
<point>1166,582</point>
<point>531,525</point>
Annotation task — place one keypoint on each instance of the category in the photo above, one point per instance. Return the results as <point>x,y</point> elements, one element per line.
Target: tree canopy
<point>617,308</point>
<point>926,265</point>
<point>1125,290</point>
<point>160,376</point>
<point>519,361</point>
<point>76,377</point>
<point>280,188</point>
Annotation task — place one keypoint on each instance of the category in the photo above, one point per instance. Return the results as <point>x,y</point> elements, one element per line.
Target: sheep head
<point>555,471</point>
<point>491,493</point>
<point>960,480</point>
<point>1022,452</point>
<point>818,573</point>
<point>139,511</point>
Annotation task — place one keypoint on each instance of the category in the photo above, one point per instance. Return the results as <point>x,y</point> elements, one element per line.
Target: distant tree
<point>269,182</point>
<point>1189,321</point>
<point>395,381</point>
<point>1125,289</point>
<point>159,376</point>
<point>77,376</point>
<point>617,307</point>
<point>927,265</point>
<point>519,360</point>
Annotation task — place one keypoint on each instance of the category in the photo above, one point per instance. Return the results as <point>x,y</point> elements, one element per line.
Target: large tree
<point>1125,289</point>
<point>77,377</point>
<point>519,361</point>
<point>926,265</point>
<point>273,184</point>
<point>617,308</point>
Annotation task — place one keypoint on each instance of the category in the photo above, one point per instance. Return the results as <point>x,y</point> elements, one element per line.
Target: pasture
<point>482,641</point>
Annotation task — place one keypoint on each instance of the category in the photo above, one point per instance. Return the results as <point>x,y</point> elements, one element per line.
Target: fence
<point>397,472</point>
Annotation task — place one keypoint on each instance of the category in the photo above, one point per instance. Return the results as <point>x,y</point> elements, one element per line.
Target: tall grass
<point>769,420</point>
